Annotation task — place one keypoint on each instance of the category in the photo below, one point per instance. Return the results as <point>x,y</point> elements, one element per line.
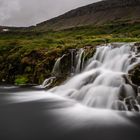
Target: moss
<point>21,80</point>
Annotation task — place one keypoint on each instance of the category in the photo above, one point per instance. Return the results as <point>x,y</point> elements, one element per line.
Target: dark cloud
<point>30,12</point>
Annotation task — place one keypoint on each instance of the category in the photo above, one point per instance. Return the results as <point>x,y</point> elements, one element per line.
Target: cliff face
<point>97,13</point>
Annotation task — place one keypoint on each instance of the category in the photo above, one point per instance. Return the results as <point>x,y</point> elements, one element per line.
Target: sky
<point>31,12</point>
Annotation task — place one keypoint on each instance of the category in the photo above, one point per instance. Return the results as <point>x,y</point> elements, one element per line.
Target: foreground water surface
<point>37,114</point>
<point>85,107</point>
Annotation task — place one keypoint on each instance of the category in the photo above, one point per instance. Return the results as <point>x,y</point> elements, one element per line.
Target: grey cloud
<point>30,12</point>
<point>8,8</point>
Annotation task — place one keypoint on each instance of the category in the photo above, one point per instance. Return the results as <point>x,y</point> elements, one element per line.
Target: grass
<point>79,36</point>
<point>21,80</point>
<point>33,52</point>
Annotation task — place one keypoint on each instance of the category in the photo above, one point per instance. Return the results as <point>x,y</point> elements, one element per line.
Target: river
<point>85,107</point>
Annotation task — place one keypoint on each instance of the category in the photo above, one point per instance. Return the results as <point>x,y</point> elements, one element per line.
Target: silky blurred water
<point>79,109</point>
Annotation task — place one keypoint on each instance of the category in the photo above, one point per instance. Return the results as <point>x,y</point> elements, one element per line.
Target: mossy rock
<point>89,52</point>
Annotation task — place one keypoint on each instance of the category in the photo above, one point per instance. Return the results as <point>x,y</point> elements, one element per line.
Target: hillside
<point>99,13</point>
<point>27,55</point>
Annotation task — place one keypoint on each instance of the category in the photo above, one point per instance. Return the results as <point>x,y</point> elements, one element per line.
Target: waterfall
<point>47,82</point>
<point>56,69</point>
<point>102,84</point>
<point>72,60</point>
<point>80,61</point>
<point>77,60</point>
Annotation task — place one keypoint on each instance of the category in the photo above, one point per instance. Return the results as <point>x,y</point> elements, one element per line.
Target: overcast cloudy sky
<point>30,12</point>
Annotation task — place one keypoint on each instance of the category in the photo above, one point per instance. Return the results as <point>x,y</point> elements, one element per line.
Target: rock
<point>138,99</point>
<point>132,104</point>
<point>128,99</point>
<point>135,75</point>
<point>136,108</point>
<point>129,108</point>
<point>89,52</point>
<point>122,91</point>
<point>133,60</point>
<point>129,82</point>
<point>137,45</point>
<point>119,105</point>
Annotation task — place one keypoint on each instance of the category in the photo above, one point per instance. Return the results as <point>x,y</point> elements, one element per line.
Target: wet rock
<point>122,91</point>
<point>133,60</point>
<point>129,108</point>
<point>119,105</point>
<point>89,52</point>
<point>138,99</point>
<point>129,82</point>
<point>136,108</point>
<point>137,45</point>
<point>135,75</point>
<point>131,104</point>
<point>66,65</point>
<point>128,100</point>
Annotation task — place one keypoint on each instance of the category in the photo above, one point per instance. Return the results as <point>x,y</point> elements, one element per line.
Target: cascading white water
<point>30,113</point>
<point>102,82</point>
<point>80,61</point>
<point>56,69</point>
<point>77,61</point>
<point>72,61</point>
<point>47,82</point>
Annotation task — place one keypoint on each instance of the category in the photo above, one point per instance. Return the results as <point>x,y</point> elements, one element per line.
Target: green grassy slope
<point>28,56</point>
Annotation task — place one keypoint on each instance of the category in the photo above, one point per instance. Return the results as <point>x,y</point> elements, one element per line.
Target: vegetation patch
<point>33,53</point>
<point>21,80</point>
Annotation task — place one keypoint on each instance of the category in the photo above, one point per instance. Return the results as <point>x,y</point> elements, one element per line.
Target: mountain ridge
<point>96,14</point>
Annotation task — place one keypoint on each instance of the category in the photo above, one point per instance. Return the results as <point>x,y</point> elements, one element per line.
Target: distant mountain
<point>99,13</point>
